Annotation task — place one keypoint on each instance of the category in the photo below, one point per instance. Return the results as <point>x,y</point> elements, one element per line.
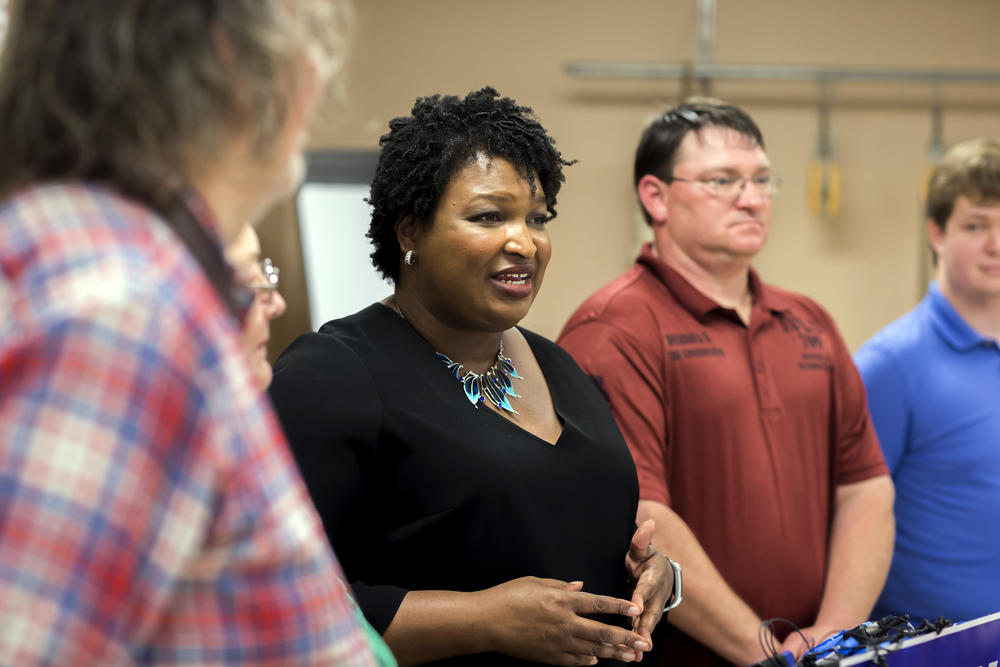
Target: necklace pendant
<point>505,363</point>
<point>454,367</point>
<point>472,390</point>
<point>494,385</point>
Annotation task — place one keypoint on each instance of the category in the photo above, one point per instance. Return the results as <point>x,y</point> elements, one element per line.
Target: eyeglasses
<point>731,186</point>
<point>266,290</point>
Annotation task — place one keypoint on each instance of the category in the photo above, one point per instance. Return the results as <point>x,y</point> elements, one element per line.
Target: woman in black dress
<point>470,476</point>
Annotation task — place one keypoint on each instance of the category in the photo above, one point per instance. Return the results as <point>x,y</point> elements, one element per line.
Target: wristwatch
<point>677,596</point>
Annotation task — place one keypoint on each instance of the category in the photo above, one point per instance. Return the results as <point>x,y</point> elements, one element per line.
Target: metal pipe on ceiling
<point>718,71</point>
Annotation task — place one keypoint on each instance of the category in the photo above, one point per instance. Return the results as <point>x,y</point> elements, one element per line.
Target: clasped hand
<point>543,620</point>
<point>654,580</point>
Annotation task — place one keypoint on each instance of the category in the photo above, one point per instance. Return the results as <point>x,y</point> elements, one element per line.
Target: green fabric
<point>375,641</point>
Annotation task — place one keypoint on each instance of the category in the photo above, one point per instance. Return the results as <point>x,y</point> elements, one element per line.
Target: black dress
<point>420,490</point>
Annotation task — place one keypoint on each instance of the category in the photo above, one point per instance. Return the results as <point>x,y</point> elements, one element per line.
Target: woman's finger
<point>596,632</point>
<point>591,603</point>
<point>648,621</point>
<point>586,649</point>
<point>641,545</point>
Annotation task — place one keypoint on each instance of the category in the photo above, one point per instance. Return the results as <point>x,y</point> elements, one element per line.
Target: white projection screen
<point>333,220</point>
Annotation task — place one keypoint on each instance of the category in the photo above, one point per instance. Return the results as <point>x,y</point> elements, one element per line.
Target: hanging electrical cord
<point>823,189</point>
<point>767,641</point>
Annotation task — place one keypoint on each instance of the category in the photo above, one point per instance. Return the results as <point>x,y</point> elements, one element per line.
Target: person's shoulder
<point>76,252</point>
<point>800,305</point>
<point>792,298</point>
<point>63,240</point>
<point>63,213</point>
<point>327,375</point>
<point>363,332</point>
<point>615,296</point>
<point>903,338</point>
<point>621,301</point>
<point>359,326</point>
<point>316,350</point>
<point>553,355</point>
<point>340,347</point>
<point>101,289</point>
<point>540,343</point>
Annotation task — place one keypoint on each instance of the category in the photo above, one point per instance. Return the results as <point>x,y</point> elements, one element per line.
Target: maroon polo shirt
<point>744,431</point>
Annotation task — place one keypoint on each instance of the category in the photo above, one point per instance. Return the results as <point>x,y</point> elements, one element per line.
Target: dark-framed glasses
<point>689,117</point>
<point>732,186</point>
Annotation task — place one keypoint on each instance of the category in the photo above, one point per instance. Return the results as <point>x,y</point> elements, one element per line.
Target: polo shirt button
<point>759,367</point>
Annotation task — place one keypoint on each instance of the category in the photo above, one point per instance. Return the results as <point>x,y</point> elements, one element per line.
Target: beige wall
<point>866,267</point>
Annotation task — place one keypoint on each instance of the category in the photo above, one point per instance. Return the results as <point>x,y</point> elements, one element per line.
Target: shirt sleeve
<point>331,412</point>
<point>857,455</point>
<point>888,402</point>
<point>629,373</point>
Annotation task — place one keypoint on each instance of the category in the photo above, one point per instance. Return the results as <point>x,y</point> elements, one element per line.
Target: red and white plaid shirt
<point>150,511</point>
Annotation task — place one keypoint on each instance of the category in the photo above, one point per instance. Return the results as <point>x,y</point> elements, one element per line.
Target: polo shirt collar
<point>697,303</point>
<point>949,324</point>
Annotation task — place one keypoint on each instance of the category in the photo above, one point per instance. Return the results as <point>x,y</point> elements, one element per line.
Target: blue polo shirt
<point>933,387</point>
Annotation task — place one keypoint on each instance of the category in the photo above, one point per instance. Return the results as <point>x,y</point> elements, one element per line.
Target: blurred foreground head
<point>160,99</point>
<point>149,94</point>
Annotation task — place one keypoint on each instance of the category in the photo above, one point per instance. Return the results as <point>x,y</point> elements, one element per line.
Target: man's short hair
<point>971,168</point>
<point>660,141</point>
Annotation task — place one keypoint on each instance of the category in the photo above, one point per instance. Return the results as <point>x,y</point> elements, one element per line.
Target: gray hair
<point>137,93</point>
<point>103,90</point>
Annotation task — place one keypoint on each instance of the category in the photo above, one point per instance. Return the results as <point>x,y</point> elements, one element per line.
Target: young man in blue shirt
<point>933,382</point>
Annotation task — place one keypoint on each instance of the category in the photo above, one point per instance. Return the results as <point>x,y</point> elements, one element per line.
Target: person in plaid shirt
<point>150,512</point>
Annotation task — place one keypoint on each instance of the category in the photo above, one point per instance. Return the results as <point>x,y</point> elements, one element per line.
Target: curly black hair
<point>421,153</point>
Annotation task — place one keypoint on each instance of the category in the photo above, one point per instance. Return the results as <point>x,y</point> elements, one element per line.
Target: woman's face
<point>243,254</point>
<point>481,258</point>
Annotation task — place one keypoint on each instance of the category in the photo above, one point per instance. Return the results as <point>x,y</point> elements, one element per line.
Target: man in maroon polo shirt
<point>741,405</point>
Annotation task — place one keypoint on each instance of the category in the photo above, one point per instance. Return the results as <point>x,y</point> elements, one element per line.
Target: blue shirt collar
<point>955,330</point>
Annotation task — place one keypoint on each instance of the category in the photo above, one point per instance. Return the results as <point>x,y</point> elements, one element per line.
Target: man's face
<point>968,251</point>
<point>701,224</point>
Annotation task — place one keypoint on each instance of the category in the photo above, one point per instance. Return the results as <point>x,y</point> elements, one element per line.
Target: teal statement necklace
<point>494,385</point>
